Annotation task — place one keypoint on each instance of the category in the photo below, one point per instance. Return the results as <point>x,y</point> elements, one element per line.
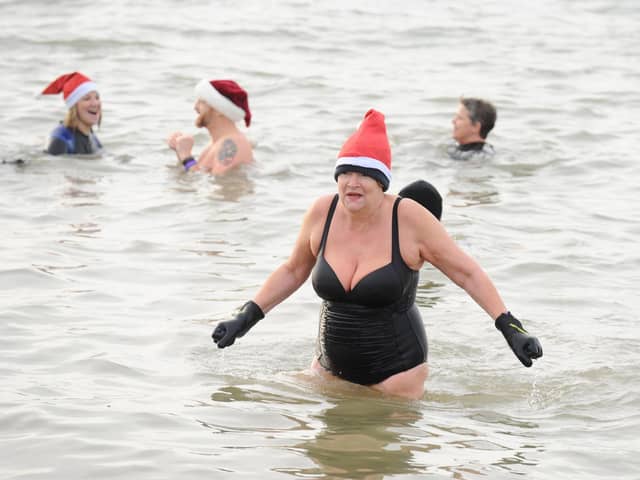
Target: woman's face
<point>89,109</point>
<point>357,190</point>
<point>464,130</point>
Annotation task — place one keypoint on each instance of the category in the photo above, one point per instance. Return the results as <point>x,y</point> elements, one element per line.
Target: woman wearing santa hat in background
<point>365,248</point>
<point>75,134</point>
<point>219,105</point>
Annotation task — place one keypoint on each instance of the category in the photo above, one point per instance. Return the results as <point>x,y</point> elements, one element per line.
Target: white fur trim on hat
<point>209,94</point>
<point>365,162</point>
<point>80,91</point>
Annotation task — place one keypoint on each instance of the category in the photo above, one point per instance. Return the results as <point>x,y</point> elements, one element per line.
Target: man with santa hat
<point>219,105</point>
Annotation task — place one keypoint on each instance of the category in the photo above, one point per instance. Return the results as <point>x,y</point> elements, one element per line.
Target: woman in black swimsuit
<point>365,249</point>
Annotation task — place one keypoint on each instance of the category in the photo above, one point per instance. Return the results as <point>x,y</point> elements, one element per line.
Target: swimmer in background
<point>472,123</point>
<point>75,133</point>
<point>219,105</point>
<point>364,249</point>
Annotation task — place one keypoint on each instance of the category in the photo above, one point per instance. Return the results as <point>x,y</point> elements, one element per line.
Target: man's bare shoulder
<point>228,152</point>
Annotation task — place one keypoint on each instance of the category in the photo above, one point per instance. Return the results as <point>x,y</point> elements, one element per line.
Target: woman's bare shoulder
<point>314,220</point>
<point>317,212</point>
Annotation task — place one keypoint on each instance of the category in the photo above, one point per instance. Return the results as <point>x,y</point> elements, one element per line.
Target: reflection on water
<point>473,196</point>
<point>351,433</point>
<point>87,229</point>
<point>229,188</point>
<point>232,186</point>
<point>472,186</point>
<point>78,190</point>
<point>428,293</point>
<point>362,438</point>
<point>361,435</point>
<point>234,393</point>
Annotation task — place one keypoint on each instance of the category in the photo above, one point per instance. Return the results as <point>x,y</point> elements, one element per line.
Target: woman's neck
<point>367,216</point>
<point>84,128</point>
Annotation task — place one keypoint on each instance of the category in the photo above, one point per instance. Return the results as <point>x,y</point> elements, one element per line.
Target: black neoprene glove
<point>525,346</point>
<point>246,317</point>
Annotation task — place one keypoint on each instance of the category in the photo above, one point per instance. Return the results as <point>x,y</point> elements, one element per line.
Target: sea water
<point>116,267</point>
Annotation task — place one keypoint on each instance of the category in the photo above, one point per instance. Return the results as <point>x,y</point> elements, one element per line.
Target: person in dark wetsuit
<point>472,123</point>
<point>365,248</point>
<point>75,134</point>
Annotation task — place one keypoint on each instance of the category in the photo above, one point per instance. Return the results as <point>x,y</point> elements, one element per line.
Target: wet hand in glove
<point>526,347</point>
<point>246,317</point>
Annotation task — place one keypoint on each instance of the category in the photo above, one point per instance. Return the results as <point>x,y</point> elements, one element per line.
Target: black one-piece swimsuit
<point>374,330</point>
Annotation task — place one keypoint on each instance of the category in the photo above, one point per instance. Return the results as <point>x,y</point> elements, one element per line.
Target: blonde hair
<point>71,118</point>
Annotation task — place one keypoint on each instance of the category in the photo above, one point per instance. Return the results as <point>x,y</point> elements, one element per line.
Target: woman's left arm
<point>443,253</point>
<point>424,239</point>
<point>438,248</point>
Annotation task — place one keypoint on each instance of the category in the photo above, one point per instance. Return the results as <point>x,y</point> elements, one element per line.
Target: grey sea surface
<point>114,268</point>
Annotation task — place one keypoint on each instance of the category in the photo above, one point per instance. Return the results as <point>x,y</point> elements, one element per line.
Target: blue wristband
<point>188,163</point>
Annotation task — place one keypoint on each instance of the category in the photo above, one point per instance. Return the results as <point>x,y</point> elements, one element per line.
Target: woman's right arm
<point>290,276</point>
<point>284,280</point>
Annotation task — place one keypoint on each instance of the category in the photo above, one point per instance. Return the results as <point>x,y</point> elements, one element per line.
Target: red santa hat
<point>73,86</point>
<point>367,150</point>
<point>227,97</point>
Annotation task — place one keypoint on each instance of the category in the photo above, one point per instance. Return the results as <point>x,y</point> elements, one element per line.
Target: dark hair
<point>480,111</point>
<point>374,173</point>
